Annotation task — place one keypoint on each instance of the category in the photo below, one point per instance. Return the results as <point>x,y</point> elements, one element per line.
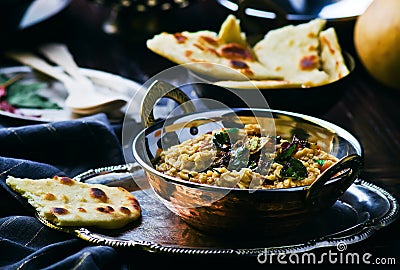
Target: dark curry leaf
<point>294,168</point>
<point>286,153</point>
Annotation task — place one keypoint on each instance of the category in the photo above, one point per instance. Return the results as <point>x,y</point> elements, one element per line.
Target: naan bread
<point>331,55</point>
<point>66,202</point>
<point>230,32</point>
<point>225,55</point>
<point>282,48</point>
<point>300,55</point>
<point>293,51</point>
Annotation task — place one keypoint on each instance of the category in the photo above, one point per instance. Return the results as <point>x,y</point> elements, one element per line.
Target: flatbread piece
<point>302,55</point>
<point>331,55</point>
<point>66,202</point>
<point>293,51</point>
<point>225,55</point>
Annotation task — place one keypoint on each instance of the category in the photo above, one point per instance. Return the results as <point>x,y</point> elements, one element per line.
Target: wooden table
<point>367,109</point>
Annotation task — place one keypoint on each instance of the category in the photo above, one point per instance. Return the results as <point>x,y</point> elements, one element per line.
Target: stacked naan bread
<point>295,55</point>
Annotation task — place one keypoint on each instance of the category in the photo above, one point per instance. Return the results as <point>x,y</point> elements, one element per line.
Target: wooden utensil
<point>80,99</point>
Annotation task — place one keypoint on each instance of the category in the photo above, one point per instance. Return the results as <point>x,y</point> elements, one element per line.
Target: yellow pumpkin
<point>377,41</point>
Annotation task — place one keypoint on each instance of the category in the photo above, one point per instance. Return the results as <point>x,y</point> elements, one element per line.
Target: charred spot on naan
<point>309,62</point>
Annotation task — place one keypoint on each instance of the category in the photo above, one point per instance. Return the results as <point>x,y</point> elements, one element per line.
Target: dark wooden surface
<point>367,109</point>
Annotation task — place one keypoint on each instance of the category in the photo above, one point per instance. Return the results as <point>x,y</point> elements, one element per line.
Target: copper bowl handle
<point>349,166</point>
<point>157,90</point>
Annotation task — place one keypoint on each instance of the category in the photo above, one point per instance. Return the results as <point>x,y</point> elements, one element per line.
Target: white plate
<point>55,91</point>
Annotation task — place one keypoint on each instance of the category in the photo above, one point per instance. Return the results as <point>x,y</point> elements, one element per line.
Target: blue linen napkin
<point>44,150</point>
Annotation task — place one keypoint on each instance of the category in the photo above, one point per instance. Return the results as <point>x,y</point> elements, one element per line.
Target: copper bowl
<point>218,209</point>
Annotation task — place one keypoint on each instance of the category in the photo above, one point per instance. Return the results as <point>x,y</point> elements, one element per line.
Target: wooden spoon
<point>60,55</point>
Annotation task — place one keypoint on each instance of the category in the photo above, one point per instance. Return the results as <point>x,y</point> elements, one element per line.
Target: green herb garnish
<point>286,153</point>
<point>294,168</point>
<point>223,138</point>
<point>320,161</point>
<point>220,138</point>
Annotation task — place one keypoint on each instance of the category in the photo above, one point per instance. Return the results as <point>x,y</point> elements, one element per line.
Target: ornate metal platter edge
<point>354,234</point>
